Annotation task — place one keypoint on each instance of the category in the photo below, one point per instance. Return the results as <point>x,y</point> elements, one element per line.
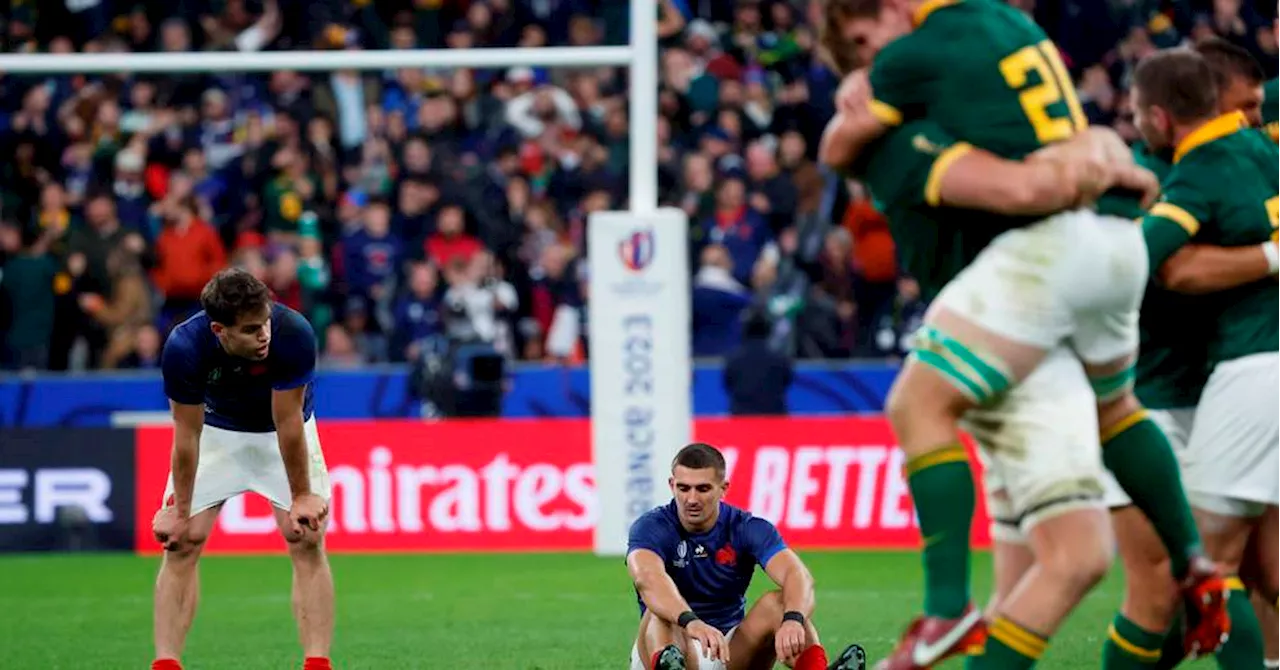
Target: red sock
<point>166,664</point>
<point>316,663</point>
<point>813,658</point>
<point>653,664</point>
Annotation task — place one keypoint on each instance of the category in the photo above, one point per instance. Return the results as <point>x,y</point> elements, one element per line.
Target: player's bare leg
<point>1138,454</point>
<point>1136,636</point>
<point>1261,574</point>
<point>1225,540</point>
<point>178,587</point>
<point>1010,562</point>
<point>660,646</point>
<point>925,406</point>
<point>312,590</point>
<point>753,643</point>
<point>1073,551</point>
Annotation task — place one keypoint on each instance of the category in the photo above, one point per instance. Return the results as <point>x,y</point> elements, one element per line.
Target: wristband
<point>793,616</point>
<point>1272,252</point>
<point>687,618</point>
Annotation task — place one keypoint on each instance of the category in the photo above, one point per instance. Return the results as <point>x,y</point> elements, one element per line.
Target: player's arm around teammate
<point>1061,177</point>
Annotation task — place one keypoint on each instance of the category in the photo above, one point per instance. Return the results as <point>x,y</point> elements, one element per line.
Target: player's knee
<point>304,543</point>
<point>189,548</point>
<point>1080,562</point>
<point>1151,596</point>
<point>771,605</point>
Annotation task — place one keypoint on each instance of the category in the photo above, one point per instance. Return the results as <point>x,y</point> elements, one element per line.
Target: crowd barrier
<point>480,485</point>
<point>383,393</point>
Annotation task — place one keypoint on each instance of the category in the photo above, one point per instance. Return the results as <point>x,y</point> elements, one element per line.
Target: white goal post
<point>640,363</point>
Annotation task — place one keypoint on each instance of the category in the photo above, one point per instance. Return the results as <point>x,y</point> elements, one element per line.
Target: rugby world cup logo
<point>636,250</point>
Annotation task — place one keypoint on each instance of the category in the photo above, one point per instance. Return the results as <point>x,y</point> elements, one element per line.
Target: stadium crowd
<point>397,208</point>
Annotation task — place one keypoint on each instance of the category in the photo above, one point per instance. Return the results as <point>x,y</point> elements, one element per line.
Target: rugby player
<point>988,75</point>
<point>238,376</point>
<point>1233,449</point>
<point>692,560</point>
<point>1172,369</point>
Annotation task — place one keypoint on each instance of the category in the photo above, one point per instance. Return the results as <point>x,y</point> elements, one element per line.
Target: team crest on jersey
<point>923,145</point>
<point>214,375</point>
<point>682,552</point>
<point>727,556</point>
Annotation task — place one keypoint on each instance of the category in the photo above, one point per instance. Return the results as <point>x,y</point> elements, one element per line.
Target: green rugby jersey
<point>987,75</point>
<point>903,170</point>
<point>1174,330</point>
<point>1223,191</point>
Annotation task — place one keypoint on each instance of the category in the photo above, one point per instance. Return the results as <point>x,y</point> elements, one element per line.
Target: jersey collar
<point>1213,130</point>
<point>928,7</point>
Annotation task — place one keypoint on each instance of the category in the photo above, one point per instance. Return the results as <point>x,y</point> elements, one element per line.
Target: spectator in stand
<point>417,314</point>
<point>718,304</point>
<point>742,230</point>
<point>187,255</point>
<point>125,309</point>
<point>373,255</point>
<point>147,345</point>
<point>755,376</point>
<point>27,284</point>
<point>898,321</point>
<point>555,296</point>
<point>451,241</point>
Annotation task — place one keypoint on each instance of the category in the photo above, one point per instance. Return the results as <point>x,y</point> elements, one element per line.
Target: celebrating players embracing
<point>692,560</point>
<point>238,377</point>
<point>996,347</point>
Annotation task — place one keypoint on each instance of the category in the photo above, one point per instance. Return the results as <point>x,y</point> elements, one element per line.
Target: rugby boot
<point>670,658</point>
<point>930,640</point>
<point>853,657</point>
<point>1206,623</point>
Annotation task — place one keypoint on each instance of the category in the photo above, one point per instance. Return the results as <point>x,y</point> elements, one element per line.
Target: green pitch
<point>510,612</point>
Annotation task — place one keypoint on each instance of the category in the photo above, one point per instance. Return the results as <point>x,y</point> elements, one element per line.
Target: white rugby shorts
<point>233,462</point>
<point>1076,278</point>
<point>1233,457</point>
<point>1039,446</point>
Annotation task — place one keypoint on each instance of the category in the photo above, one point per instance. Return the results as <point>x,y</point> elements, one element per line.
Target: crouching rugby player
<point>692,560</point>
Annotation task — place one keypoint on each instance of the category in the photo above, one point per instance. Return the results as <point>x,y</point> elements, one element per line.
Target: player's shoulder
<point>286,320</point>
<point>190,335</point>
<point>660,518</point>
<point>742,520</point>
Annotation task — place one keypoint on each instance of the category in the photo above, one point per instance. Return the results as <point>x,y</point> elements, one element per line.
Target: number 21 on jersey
<point>1054,86</point>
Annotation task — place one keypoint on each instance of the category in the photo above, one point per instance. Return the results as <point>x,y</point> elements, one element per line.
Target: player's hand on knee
<point>712,640</point>
<point>788,642</point>
<point>169,528</point>
<point>308,512</point>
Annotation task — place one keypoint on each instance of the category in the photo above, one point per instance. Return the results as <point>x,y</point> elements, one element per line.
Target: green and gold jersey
<point>1271,109</point>
<point>984,72</point>
<point>1223,191</point>
<point>1174,329</point>
<point>988,76</point>
<point>904,170</point>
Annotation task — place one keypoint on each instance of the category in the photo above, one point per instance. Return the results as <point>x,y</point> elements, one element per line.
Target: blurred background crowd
<point>413,211</point>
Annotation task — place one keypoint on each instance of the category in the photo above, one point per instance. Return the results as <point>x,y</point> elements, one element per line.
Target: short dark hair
<point>699,456</point>
<point>1228,60</point>
<point>1180,81</point>
<point>232,293</point>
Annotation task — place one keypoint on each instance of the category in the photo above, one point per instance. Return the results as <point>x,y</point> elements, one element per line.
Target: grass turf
<point>508,611</point>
